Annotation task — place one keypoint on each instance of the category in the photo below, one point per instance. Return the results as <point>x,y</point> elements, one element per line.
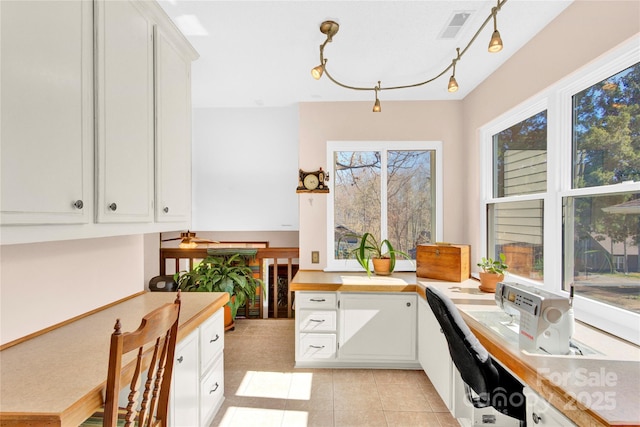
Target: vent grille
<point>457,21</point>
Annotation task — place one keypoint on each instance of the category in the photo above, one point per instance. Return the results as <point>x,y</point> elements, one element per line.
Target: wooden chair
<point>154,343</point>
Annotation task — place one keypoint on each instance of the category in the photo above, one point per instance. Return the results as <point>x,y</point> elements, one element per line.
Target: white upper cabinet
<point>46,125</point>
<point>95,131</point>
<point>124,112</point>
<point>173,131</point>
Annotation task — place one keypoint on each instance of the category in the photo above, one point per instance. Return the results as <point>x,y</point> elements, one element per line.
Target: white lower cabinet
<point>379,327</point>
<point>186,381</point>
<point>338,329</point>
<point>433,353</point>
<point>197,391</point>
<point>541,413</point>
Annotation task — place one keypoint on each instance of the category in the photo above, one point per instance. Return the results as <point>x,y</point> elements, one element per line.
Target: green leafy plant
<point>370,248</point>
<point>496,266</point>
<point>228,274</point>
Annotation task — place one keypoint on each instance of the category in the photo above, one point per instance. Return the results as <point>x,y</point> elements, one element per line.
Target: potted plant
<point>493,271</point>
<point>228,274</point>
<point>381,253</point>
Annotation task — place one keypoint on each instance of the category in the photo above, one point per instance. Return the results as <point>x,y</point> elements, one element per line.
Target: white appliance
<point>546,321</point>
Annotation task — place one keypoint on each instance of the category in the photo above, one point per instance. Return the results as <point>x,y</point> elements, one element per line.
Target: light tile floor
<point>263,388</point>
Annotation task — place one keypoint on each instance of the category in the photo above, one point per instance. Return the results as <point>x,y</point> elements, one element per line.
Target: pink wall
<point>399,121</point>
<point>584,31</point>
<point>42,284</point>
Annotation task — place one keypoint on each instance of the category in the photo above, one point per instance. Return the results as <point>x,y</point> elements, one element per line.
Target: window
<point>561,191</point>
<point>391,189</point>
<point>516,227</point>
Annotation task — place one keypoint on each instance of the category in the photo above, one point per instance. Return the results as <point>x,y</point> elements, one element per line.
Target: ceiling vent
<point>456,23</point>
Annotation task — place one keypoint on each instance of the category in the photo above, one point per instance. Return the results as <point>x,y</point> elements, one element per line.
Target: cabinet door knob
<point>113,207</point>
<point>166,209</point>
<point>408,304</point>
<point>215,388</point>
<point>215,339</point>
<point>180,359</point>
<point>78,204</point>
<point>536,418</point>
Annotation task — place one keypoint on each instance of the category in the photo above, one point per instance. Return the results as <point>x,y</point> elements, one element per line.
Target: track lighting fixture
<point>453,84</point>
<point>330,28</point>
<point>495,44</point>
<point>376,106</point>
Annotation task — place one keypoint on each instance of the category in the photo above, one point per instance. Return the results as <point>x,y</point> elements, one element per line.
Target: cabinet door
<point>173,132</point>
<point>377,327</point>
<point>47,117</point>
<point>124,71</point>
<point>186,383</point>
<point>433,353</point>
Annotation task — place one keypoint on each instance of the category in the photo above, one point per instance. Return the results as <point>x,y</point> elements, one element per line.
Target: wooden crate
<point>443,262</point>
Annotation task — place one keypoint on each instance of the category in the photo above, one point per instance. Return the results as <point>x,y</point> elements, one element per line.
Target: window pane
<point>515,229</point>
<point>520,158</point>
<point>601,237</point>
<point>410,198</point>
<point>356,197</point>
<point>606,131</point>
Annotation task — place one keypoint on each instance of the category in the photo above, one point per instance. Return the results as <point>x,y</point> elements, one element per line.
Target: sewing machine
<point>546,320</point>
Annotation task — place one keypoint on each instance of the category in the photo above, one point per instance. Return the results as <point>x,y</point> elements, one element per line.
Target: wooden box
<point>443,262</point>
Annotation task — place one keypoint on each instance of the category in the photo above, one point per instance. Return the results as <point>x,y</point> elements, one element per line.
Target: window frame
<point>389,145</point>
<point>558,101</point>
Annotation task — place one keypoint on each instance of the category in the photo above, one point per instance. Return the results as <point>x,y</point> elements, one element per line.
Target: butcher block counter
<point>57,378</point>
<point>599,388</point>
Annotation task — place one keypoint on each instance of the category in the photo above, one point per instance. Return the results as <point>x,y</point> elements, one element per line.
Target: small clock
<point>312,181</point>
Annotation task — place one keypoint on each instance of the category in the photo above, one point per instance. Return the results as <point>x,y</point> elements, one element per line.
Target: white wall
<point>42,284</point>
<point>245,169</point>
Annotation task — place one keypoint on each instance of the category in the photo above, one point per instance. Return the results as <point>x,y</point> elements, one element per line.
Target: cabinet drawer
<point>317,346</point>
<point>211,392</point>
<point>316,300</point>
<point>211,339</point>
<point>312,320</point>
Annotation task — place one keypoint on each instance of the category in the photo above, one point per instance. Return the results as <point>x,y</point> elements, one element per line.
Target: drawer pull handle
<point>214,389</point>
<point>316,320</point>
<point>536,418</point>
<point>317,300</point>
<point>316,346</point>
<point>215,339</point>
<point>180,359</point>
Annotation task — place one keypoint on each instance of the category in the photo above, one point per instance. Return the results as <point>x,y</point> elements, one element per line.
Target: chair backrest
<point>469,356</point>
<point>169,285</point>
<point>154,343</point>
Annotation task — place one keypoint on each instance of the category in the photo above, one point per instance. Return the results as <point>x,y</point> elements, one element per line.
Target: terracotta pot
<point>229,323</point>
<point>488,281</point>
<point>381,266</point>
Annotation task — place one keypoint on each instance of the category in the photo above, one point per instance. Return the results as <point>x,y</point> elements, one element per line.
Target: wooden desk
<point>56,379</point>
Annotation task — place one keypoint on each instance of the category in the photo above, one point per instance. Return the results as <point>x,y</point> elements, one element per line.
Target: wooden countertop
<point>593,390</point>
<point>57,378</point>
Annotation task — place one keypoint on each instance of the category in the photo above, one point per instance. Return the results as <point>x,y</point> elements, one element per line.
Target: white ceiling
<point>260,53</point>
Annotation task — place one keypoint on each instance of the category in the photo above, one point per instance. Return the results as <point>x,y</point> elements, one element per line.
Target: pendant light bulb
<point>316,72</point>
<point>495,44</point>
<point>376,106</point>
<point>453,84</point>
